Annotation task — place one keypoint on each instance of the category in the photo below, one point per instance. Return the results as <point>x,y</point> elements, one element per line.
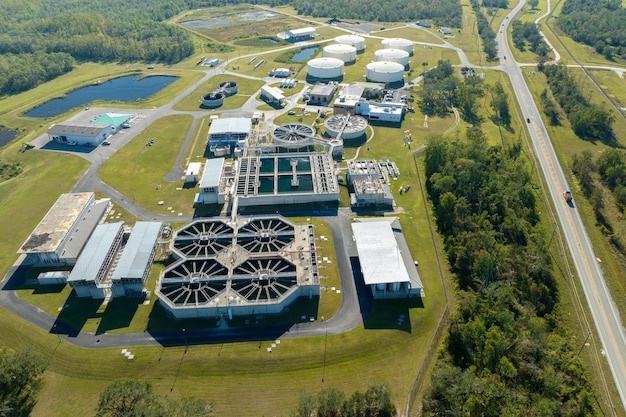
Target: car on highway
<point>527,120</point>
<point>568,196</point>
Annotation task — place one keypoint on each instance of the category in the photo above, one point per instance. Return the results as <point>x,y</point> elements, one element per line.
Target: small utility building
<point>297,35</point>
<point>386,263</point>
<point>212,190</point>
<point>273,95</point>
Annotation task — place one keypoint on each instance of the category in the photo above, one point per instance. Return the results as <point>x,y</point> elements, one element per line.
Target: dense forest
<point>589,121</point>
<point>505,354</point>
<point>442,12</point>
<point>41,39</point>
<point>597,23</point>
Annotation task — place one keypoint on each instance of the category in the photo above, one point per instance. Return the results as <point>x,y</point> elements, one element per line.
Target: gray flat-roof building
<point>91,269</point>
<point>369,184</point>
<point>61,235</point>
<point>132,270</point>
<point>386,262</point>
<point>322,94</point>
<point>80,133</point>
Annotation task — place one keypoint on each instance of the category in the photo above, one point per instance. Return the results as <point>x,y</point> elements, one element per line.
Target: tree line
<point>487,35</point>
<point>527,33</point>
<point>597,23</point>
<point>137,399</point>
<point>589,121</point>
<point>331,402</point>
<point>505,352</point>
<point>442,12</point>
<point>41,40</point>
<point>607,171</point>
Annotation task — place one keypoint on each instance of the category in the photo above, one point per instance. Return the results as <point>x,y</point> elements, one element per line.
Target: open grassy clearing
<point>468,39</point>
<point>247,88</point>
<point>614,86</point>
<point>413,34</point>
<point>18,214</point>
<point>142,180</point>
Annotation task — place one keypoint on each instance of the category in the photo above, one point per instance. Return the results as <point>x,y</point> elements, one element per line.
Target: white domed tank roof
<point>341,51</point>
<point>392,55</point>
<point>350,126</point>
<point>398,43</point>
<point>384,72</point>
<point>325,68</point>
<point>352,40</point>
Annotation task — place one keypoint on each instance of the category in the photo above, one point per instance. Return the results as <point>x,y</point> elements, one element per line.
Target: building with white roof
<point>212,187</point>
<point>133,267</point>
<point>91,269</point>
<point>301,34</point>
<point>61,235</point>
<point>229,132</point>
<point>386,263</point>
<point>273,95</point>
<point>383,112</point>
<point>192,172</point>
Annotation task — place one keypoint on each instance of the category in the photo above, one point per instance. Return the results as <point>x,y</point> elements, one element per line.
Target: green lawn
<point>142,179</point>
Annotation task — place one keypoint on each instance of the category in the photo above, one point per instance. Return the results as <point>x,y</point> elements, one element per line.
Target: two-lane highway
<point>603,309</point>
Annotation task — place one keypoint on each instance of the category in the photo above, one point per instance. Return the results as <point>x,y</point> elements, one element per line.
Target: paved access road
<point>603,309</point>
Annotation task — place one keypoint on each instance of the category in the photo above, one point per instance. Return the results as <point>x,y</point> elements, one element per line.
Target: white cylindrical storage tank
<point>346,53</point>
<point>384,72</point>
<point>398,43</point>
<point>352,40</point>
<point>325,68</point>
<point>392,55</point>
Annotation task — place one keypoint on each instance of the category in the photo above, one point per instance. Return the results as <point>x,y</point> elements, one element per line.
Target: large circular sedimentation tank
<point>214,99</point>
<point>352,40</point>
<point>229,88</point>
<point>384,72</point>
<point>353,126</point>
<point>346,53</point>
<point>325,68</point>
<point>294,135</point>
<point>398,43</point>
<point>392,55</point>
